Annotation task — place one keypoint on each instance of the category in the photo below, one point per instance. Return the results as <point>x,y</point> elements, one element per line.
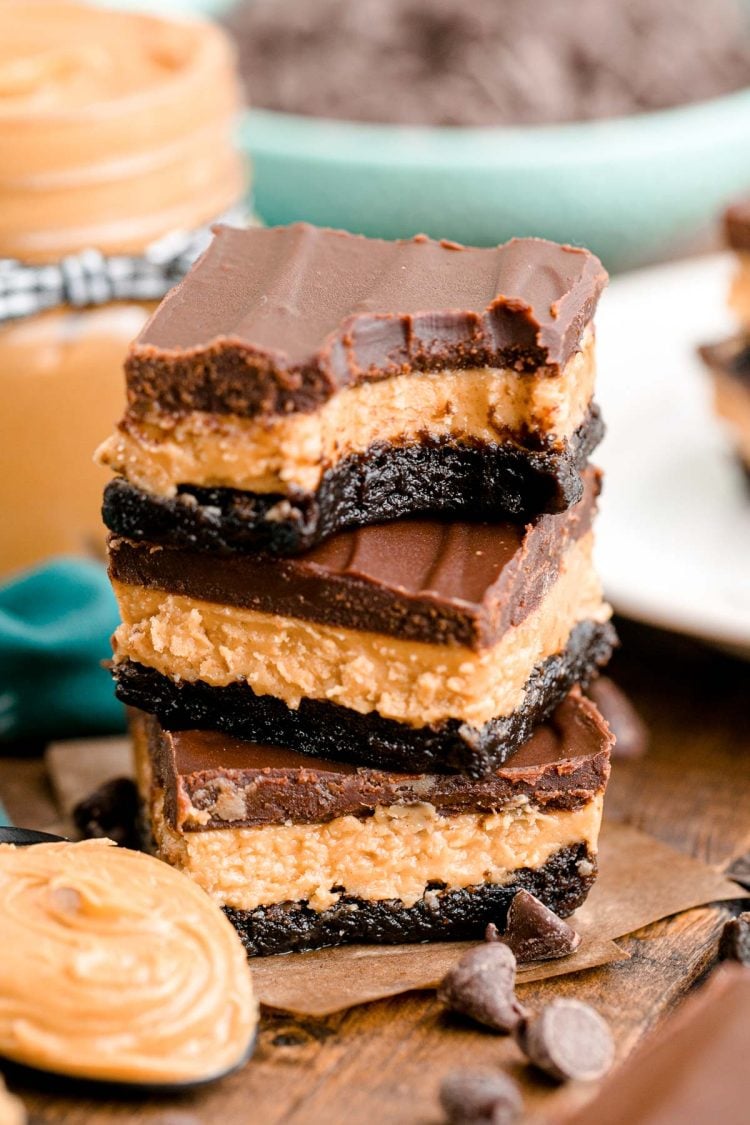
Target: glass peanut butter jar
<point>116,155</point>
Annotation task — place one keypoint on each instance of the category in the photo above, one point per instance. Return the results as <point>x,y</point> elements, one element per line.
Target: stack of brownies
<point>729,360</point>
<point>351,545</point>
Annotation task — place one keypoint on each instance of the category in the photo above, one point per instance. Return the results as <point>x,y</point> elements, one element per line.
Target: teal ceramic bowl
<point>633,189</point>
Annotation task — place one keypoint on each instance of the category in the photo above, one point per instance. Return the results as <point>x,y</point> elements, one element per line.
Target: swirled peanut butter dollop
<point>114,966</point>
<point>11,1109</point>
<point>115,128</point>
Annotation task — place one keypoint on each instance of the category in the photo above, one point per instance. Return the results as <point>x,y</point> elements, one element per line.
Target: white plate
<point>674,530</point>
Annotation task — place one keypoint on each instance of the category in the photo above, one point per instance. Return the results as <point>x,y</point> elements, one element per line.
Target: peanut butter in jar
<point>115,153</point>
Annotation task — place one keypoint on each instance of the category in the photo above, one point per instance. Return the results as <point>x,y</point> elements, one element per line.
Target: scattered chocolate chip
<point>482,986</point>
<point>629,729</point>
<point>739,870</point>
<point>534,932</point>
<point>111,811</point>
<point>567,1039</point>
<point>480,1097</point>
<point>735,940</point>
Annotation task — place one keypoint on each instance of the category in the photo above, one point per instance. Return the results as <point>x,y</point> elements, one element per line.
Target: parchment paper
<point>641,880</point>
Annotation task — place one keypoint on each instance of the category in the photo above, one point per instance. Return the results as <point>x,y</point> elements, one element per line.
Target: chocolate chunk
<point>693,1070</point>
<point>735,940</point>
<point>482,986</point>
<point>630,731</point>
<point>480,1097</point>
<point>567,1039</point>
<point>111,811</point>
<point>533,932</point>
<point>739,870</point>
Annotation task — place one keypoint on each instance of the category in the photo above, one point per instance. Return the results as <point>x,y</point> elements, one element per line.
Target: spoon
<point>22,837</point>
<point>53,1082</point>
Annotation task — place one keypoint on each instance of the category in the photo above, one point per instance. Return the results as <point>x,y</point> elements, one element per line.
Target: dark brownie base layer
<point>467,480</point>
<point>331,731</point>
<point>457,915</point>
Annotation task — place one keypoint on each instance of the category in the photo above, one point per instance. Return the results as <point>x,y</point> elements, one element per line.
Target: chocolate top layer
<point>229,782</point>
<point>272,321</point>
<point>691,1069</point>
<point>737,225</point>
<point>423,579</point>
<point>729,357</point>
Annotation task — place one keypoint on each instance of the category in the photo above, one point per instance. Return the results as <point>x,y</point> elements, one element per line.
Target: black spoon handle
<point>23,836</point>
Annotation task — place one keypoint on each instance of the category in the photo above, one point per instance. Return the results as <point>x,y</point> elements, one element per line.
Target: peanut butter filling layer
<point>414,682</point>
<point>732,403</point>
<point>115,967</point>
<point>161,451</point>
<point>394,854</point>
<point>739,290</point>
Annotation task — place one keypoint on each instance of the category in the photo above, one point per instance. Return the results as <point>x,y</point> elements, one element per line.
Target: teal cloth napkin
<point>55,624</point>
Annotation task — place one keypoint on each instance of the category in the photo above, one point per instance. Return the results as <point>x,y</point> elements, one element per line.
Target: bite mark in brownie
<point>324,369</point>
<point>470,480</point>
<point>276,320</point>
<point>424,580</point>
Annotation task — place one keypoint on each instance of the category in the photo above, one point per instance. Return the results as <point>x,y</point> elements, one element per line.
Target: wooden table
<point>383,1062</point>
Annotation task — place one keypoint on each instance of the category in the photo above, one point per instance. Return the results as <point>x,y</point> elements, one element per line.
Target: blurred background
<point>621,125</point>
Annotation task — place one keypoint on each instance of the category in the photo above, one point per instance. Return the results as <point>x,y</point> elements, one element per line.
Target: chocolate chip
<point>567,1039</point>
<point>482,986</point>
<point>629,729</point>
<point>111,811</point>
<point>739,870</point>
<point>534,932</point>
<point>476,1097</point>
<point>735,940</point>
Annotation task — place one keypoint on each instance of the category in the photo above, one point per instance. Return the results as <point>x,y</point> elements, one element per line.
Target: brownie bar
<point>426,580</point>
<point>729,365</point>
<point>211,780</point>
<point>692,1067</point>
<point>562,883</point>
<point>435,476</point>
<point>326,729</point>
<point>302,851</point>
<point>737,226</point>
<point>313,379</point>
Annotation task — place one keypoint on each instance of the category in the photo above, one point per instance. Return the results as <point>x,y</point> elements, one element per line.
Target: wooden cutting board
<point>383,1062</point>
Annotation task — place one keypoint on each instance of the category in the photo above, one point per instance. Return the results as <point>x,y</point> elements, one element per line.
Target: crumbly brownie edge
<point>562,884</point>
<point>469,479</point>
